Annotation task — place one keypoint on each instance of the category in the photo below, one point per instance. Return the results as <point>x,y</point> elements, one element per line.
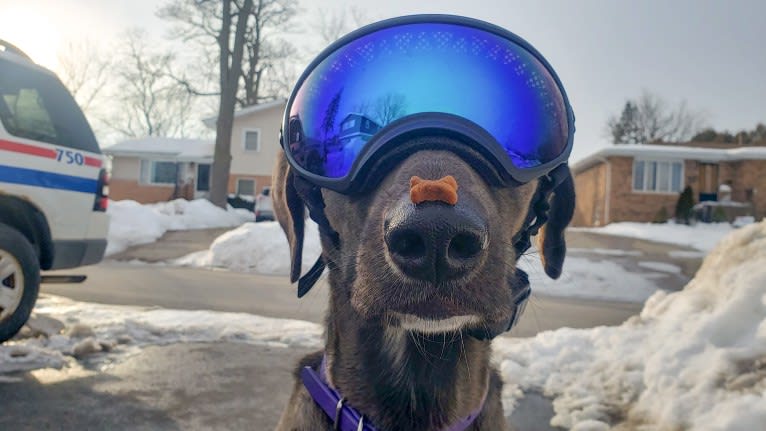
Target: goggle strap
<point>307,280</point>
<point>312,197</point>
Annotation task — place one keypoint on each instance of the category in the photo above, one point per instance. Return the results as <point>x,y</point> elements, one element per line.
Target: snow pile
<point>590,278</point>
<point>694,359</point>
<point>256,247</point>
<point>92,328</point>
<point>131,223</point>
<point>702,236</point>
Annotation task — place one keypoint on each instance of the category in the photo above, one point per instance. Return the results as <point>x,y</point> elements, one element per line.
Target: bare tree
<point>225,22</point>
<point>330,25</point>
<point>148,102</point>
<point>246,51</point>
<point>84,70</point>
<point>389,107</point>
<point>649,119</point>
<point>264,50</point>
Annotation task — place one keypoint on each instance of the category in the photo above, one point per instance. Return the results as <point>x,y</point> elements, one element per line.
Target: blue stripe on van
<point>48,180</point>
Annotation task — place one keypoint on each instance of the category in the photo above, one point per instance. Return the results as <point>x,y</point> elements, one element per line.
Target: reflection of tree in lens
<point>328,122</point>
<point>390,107</point>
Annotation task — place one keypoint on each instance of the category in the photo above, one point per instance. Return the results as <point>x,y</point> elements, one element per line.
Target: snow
<point>694,359</point>
<point>589,278</point>
<point>131,223</point>
<point>702,236</point>
<point>256,247</point>
<point>660,266</point>
<point>177,149</point>
<point>93,328</point>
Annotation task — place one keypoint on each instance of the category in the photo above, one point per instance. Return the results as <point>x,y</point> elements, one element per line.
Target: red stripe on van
<point>92,161</point>
<point>17,147</point>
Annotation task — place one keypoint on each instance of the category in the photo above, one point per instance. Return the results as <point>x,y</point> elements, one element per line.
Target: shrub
<point>661,216</point>
<point>684,206</point>
<point>719,215</point>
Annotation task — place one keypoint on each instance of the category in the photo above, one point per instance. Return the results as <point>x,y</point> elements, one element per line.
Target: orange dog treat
<point>441,190</point>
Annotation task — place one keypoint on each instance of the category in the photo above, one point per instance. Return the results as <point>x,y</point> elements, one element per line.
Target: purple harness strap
<point>345,417</point>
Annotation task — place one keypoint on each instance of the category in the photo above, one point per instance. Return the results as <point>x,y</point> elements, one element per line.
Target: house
<point>633,182</point>
<point>155,169</point>
<point>357,126</point>
<point>254,146</point>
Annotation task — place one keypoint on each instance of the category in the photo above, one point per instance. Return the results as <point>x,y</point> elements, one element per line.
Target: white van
<point>53,185</point>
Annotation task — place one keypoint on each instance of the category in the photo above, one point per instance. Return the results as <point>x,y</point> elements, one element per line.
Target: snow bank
<point>92,328</point>
<point>256,247</point>
<point>702,236</point>
<point>131,223</point>
<point>695,359</point>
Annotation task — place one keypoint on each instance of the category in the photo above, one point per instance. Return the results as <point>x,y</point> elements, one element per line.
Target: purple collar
<point>347,418</point>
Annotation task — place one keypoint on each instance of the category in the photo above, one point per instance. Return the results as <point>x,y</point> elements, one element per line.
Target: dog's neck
<point>403,380</point>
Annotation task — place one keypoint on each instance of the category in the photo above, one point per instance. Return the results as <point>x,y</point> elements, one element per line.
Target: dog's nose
<point>434,241</point>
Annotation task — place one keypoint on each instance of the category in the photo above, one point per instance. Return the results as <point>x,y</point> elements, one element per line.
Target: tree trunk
<point>230,67</point>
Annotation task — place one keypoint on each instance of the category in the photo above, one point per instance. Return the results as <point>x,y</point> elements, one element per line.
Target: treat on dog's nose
<point>442,190</point>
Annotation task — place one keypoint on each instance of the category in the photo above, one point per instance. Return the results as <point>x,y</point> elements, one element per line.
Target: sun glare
<point>32,31</point>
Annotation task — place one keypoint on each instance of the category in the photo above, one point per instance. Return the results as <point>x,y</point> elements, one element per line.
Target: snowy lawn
<point>694,359</point>
<point>702,236</point>
<point>262,248</point>
<point>131,223</point>
<point>255,247</point>
<point>588,278</point>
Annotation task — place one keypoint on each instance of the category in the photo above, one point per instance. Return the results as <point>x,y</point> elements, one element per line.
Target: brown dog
<point>407,283</point>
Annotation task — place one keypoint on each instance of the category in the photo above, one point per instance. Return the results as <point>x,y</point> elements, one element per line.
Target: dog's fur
<point>403,372</point>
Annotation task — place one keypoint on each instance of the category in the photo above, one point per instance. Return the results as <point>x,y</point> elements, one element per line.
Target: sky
<point>707,53</point>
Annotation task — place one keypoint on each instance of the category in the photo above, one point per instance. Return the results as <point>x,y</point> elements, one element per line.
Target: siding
<point>256,163</point>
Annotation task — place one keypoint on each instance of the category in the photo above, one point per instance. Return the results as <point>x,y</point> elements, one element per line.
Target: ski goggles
<point>426,74</point>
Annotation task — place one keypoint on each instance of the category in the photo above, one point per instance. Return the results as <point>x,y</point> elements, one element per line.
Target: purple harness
<point>345,417</point>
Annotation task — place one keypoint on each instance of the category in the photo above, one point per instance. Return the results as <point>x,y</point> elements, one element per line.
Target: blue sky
<point>708,53</point>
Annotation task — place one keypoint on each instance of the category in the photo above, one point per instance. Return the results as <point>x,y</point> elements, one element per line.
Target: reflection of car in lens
<point>53,189</point>
<point>263,209</point>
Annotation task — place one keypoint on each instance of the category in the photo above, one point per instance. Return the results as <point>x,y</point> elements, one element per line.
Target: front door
<point>202,188</point>
<point>708,182</point>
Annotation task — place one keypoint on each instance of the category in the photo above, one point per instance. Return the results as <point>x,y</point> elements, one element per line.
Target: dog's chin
<point>429,325</point>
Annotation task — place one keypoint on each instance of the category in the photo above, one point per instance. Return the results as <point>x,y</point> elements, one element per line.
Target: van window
<point>35,105</point>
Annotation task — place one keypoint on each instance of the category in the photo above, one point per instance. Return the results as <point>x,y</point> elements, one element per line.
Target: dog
<point>408,281</point>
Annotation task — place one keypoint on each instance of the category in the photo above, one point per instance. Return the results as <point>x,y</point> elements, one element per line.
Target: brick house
<point>155,169</point>
<point>254,146</point>
<point>632,182</point>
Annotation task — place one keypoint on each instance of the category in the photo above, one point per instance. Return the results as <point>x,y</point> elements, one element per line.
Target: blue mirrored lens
<point>408,69</point>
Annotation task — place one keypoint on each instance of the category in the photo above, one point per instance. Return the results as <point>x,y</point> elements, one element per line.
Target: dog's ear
<point>290,211</point>
<point>550,238</point>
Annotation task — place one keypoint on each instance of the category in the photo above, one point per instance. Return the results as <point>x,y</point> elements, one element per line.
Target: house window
<point>252,140</point>
<point>657,176</point>
<point>156,172</point>
<point>349,124</point>
<point>245,187</point>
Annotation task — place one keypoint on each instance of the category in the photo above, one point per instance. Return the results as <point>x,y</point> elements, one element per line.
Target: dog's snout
<point>435,242</point>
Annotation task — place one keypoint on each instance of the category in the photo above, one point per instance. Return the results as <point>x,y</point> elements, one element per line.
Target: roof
<point>210,121</point>
<point>180,149</point>
<point>677,152</point>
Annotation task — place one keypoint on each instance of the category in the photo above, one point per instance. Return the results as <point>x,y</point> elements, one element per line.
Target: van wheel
<point>19,281</point>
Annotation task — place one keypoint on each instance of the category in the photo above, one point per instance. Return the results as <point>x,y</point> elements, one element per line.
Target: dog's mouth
<point>432,325</point>
<point>433,316</point>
